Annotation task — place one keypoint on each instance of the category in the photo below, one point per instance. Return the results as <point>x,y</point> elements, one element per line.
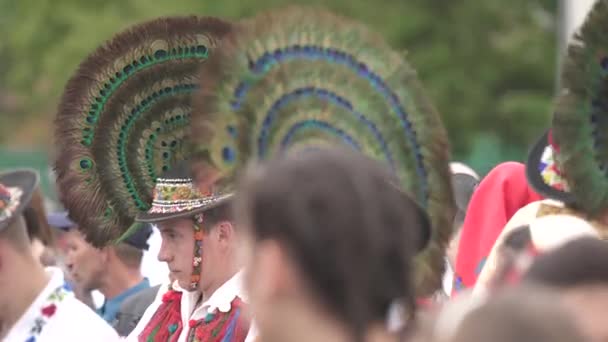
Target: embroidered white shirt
<point>221,300</point>
<point>72,322</point>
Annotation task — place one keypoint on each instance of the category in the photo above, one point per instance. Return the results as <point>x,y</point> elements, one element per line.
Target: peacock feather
<point>298,79</point>
<point>580,120</point>
<point>123,118</point>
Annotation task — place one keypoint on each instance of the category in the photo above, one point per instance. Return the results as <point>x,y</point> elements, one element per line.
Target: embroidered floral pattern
<point>217,326</point>
<point>199,235</point>
<point>550,172</point>
<point>10,198</point>
<point>47,311</point>
<point>179,196</point>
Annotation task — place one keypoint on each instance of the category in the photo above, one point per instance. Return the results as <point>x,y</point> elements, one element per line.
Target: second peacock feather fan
<point>299,78</point>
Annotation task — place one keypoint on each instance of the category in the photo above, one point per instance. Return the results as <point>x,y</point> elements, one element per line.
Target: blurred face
<point>177,250</point>
<point>84,262</point>
<point>588,305</point>
<point>271,283</point>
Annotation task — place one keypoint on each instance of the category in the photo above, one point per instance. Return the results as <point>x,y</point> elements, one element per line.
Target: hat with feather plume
<point>297,79</point>
<point>124,118</point>
<point>570,162</point>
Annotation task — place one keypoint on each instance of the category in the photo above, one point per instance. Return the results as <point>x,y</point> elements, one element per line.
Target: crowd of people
<point>301,183</point>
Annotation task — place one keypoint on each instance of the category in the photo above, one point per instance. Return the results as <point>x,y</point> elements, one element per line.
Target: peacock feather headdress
<point>580,121</point>
<point>123,118</point>
<point>302,78</point>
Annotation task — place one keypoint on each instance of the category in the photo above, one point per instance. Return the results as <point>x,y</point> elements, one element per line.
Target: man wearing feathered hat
<point>121,132</point>
<point>34,303</point>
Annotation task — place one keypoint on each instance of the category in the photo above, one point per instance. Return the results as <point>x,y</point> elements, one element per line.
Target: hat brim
<point>25,179</point>
<point>159,217</point>
<point>535,179</point>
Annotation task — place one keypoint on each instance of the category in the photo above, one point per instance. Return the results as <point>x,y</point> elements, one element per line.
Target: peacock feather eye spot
<point>165,155</point>
<point>90,119</point>
<point>158,129</point>
<point>228,154</point>
<point>127,69</point>
<point>165,168</point>
<point>86,164</point>
<point>160,54</point>
<point>143,60</point>
<point>98,99</point>
<point>232,131</point>
<point>102,92</point>
<point>135,64</point>
<point>174,143</point>
<point>118,74</point>
<point>201,49</point>
<point>163,143</point>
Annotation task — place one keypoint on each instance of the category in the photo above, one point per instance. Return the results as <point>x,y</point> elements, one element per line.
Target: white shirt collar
<point>221,299</point>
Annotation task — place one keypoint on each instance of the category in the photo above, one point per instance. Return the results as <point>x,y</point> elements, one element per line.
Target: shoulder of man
<point>132,309</point>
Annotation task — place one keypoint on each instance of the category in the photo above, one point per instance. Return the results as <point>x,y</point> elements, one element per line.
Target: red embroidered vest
<point>166,324</point>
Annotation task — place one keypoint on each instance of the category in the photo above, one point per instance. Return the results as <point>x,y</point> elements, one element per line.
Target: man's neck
<point>24,289</point>
<point>214,286</point>
<point>119,280</point>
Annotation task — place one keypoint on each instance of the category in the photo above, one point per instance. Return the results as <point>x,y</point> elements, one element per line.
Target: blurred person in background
<point>464,183</point>
<point>499,195</point>
<point>39,231</point>
<point>133,308</point>
<point>578,272</point>
<point>331,258</point>
<point>517,247</point>
<point>34,303</point>
<point>517,315</point>
<point>62,226</point>
<point>115,270</point>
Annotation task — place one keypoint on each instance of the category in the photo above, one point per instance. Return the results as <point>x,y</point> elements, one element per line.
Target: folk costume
<point>121,132</point>
<point>568,164</point>
<point>297,79</point>
<point>51,316</point>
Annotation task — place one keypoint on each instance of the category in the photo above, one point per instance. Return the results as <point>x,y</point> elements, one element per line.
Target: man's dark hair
<point>580,262</point>
<point>350,229</point>
<point>129,255</point>
<point>213,216</point>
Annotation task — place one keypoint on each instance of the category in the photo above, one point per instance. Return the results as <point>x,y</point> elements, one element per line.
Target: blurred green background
<point>489,65</point>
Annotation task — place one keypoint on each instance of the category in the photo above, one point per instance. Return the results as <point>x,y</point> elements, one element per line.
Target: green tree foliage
<point>488,65</point>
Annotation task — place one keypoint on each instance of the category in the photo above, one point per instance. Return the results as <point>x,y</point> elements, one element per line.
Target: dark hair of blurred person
<point>520,314</point>
<point>331,247</point>
<point>578,271</point>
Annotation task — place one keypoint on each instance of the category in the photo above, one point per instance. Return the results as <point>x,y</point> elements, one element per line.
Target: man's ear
<point>225,231</point>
